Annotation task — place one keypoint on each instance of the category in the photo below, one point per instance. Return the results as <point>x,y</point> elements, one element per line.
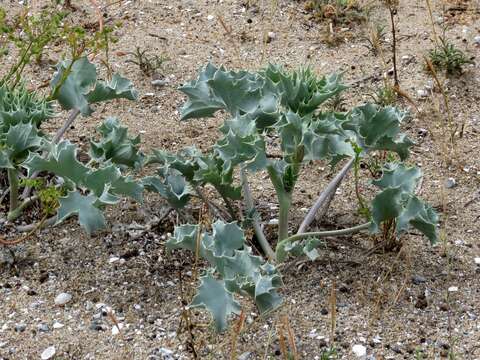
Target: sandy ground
<point>397,305</point>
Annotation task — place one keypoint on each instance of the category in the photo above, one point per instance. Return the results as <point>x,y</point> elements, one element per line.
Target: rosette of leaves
<point>234,270</point>
<point>90,188</point>
<point>18,105</point>
<point>287,105</point>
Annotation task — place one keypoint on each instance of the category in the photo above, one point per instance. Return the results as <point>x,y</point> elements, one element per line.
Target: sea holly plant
<point>23,145</point>
<point>275,110</point>
<point>284,109</point>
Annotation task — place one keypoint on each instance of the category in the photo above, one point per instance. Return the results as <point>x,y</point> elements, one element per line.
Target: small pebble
<point>476,40</point>
<point>245,356</point>
<point>359,350</point>
<point>116,329</point>
<point>97,325</point>
<point>159,83</point>
<point>20,327</point>
<point>418,279</point>
<point>57,325</point>
<point>450,183</point>
<point>48,353</point>
<point>43,327</point>
<point>477,260</point>
<point>210,17</point>
<point>453,289</point>
<point>271,36</point>
<point>62,299</point>
<point>422,93</point>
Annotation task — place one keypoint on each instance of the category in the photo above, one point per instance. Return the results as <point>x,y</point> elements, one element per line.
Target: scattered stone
<point>20,327</point>
<point>359,350</point>
<point>429,85</point>
<point>113,259</point>
<point>450,183</point>
<point>396,349</point>
<point>271,36</point>
<point>476,40</point>
<point>210,17</point>
<point>245,356</point>
<point>57,325</point>
<point>166,354</point>
<point>97,325</point>
<point>418,279</point>
<point>159,82</point>
<point>62,299</point>
<point>477,260</point>
<point>48,353</point>
<point>453,289</point>
<point>421,93</point>
<point>43,327</point>
<point>116,329</point>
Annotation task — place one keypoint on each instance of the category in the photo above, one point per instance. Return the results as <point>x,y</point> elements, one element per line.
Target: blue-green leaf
<point>90,217</point>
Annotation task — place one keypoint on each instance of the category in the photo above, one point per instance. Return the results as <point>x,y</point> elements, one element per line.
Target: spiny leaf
<point>89,216</point>
<point>20,139</point>
<point>172,187</point>
<point>62,161</point>
<point>399,175</point>
<point>81,88</point>
<point>116,146</point>
<point>214,297</point>
<point>301,91</point>
<point>228,237</point>
<point>397,201</point>
<point>211,171</point>
<point>19,105</point>
<point>420,216</point>
<point>379,129</point>
<point>217,89</point>
<point>117,88</point>
<point>78,83</point>
<point>5,156</point>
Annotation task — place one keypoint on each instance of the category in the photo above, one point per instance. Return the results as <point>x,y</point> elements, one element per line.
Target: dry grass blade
<point>236,332</point>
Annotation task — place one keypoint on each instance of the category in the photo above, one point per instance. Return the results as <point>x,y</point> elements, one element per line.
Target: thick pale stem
<point>325,196</point>
<point>280,250</point>
<point>48,222</point>
<point>262,240</point>
<point>285,201</point>
<point>71,118</point>
<point>13,182</point>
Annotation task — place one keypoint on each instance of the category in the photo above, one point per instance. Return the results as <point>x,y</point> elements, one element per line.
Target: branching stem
<point>280,250</point>
<point>325,196</point>
<point>15,213</point>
